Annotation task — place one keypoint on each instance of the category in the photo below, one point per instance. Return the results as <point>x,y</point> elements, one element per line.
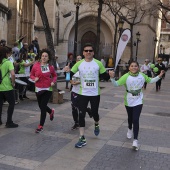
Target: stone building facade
<point>26,20</point>
<point>63,30</point>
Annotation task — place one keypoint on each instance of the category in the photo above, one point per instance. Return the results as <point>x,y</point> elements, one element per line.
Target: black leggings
<point>83,102</point>
<point>9,96</point>
<point>133,118</point>
<point>42,102</point>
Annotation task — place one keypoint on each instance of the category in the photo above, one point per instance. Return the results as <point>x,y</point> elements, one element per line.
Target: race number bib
<point>89,84</point>
<point>45,69</point>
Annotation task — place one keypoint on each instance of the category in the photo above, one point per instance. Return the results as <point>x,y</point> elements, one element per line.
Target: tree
<point>98,27</point>
<point>131,11</point>
<point>47,30</point>
<point>160,9</point>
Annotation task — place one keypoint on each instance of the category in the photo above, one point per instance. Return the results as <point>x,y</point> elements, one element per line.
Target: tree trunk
<point>47,30</point>
<point>98,29</point>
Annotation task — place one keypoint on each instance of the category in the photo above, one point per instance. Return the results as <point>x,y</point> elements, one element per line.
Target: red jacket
<point>45,79</point>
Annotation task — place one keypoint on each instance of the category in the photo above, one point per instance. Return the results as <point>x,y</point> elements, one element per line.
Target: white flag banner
<point>123,40</point>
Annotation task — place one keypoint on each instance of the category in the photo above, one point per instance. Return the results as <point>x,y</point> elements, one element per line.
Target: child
<point>133,82</point>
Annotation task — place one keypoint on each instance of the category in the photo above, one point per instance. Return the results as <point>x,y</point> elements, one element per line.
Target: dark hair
<point>23,56</point>
<point>3,53</point>
<point>134,62</point>
<point>88,45</point>
<point>45,50</point>
<point>69,54</point>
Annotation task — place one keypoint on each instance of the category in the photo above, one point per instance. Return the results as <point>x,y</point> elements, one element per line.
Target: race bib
<point>90,84</point>
<point>45,69</point>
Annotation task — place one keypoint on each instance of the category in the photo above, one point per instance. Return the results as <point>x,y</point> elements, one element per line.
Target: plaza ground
<point>22,149</point>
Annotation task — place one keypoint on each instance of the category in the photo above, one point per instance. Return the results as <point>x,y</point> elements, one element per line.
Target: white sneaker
<point>129,134</point>
<point>135,145</point>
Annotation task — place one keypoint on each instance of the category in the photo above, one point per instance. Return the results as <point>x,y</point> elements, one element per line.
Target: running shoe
<point>96,130</point>
<point>39,129</point>
<point>129,133</point>
<point>76,126</point>
<point>52,114</point>
<point>135,145</point>
<point>89,112</point>
<point>81,142</point>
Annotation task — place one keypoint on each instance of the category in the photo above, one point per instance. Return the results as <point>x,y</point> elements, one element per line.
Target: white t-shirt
<point>89,76</point>
<point>76,88</point>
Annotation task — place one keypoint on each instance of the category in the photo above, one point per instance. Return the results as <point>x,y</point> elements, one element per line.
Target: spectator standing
<point>110,62</point>
<point>6,87</point>
<point>145,68</point>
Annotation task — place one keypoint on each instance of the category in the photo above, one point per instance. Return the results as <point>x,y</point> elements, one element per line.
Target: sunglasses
<point>159,60</point>
<point>88,51</point>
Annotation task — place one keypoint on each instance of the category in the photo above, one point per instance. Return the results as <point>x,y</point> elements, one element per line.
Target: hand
<point>52,84</point>
<point>36,79</point>
<point>161,74</point>
<point>67,68</point>
<point>111,74</point>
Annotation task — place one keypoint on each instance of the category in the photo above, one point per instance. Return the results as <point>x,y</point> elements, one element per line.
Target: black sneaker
<point>89,112</point>
<point>21,98</point>
<point>39,129</point>
<point>11,125</point>
<point>25,97</point>
<point>76,126</point>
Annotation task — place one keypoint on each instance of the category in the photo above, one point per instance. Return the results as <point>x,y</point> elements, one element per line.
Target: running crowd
<point>84,78</point>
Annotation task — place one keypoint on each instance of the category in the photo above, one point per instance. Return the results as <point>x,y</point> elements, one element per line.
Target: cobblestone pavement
<point>22,149</point>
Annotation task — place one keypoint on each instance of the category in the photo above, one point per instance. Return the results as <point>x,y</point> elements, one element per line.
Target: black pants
<point>133,118</point>
<point>158,84</point>
<point>74,106</point>
<point>42,102</point>
<point>83,102</point>
<point>9,96</point>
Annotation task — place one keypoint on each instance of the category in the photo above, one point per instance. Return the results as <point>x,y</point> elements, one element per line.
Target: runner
<point>133,82</point>
<point>45,77</point>
<point>89,70</point>
<point>75,82</point>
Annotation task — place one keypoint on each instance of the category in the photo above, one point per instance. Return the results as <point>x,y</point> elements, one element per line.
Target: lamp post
<point>137,41</point>
<point>77,3</point>
<point>120,25</point>
<point>155,42</point>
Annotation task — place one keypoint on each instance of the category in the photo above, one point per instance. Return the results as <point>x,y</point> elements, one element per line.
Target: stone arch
<point>70,25</point>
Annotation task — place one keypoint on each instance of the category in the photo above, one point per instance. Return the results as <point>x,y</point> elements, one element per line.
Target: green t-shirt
<point>5,67</point>
<point>22,67</point>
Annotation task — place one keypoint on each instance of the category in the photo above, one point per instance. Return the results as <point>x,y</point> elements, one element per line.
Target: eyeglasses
<point>88,51</point>
<point>159,60</point>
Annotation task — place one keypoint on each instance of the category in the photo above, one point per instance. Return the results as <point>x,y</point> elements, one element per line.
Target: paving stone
<point>30,146</point>
<point>118,158</point>
<point>8,167</point>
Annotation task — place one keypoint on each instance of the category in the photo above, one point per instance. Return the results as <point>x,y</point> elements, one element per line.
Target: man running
<point>89,69</point>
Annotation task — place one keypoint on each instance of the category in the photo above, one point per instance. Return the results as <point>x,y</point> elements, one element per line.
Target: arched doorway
<point>88,37</point>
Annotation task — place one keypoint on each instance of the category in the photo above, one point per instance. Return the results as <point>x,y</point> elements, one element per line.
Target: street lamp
<point>77,3</point>
<point>155,42</point>
<point>120,25</point>
<point>137,41</point>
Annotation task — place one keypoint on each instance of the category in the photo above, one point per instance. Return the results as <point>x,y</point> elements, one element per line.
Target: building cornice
<point>4,9</point>
<point>41,28</point>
